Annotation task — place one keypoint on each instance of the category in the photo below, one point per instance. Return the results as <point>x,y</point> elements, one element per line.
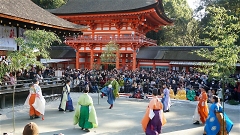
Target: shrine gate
<point>124,22</point>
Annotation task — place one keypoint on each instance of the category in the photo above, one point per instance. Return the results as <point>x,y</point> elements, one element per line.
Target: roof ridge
<point>63,53</point>
<point>93,6</point>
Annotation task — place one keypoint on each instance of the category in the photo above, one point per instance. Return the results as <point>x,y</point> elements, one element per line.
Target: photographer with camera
<point>81,84</point>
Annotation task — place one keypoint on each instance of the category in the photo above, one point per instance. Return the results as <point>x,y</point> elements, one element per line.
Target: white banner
<point>7,35</point>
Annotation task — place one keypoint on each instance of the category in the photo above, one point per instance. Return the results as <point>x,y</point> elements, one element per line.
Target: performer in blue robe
<point>217,122</point>
<point>108,91</point>
<point>111,91</point>
<point>66,101</point>
<point>166,99</point>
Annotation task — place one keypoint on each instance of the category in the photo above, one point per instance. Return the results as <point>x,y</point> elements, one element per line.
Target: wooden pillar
<point>91,56</point>
<point>77,58</point>
<point>187,69</point>
<point>134,55</point>
<point>99,61</point>
<point>138,65</point>
<point>134,59</point>
<point>86,60</point>
<point>105,66</point>
<point>154,65</point>
<point>117,60</point>
<point>124,59</point>
<point>170,67</point>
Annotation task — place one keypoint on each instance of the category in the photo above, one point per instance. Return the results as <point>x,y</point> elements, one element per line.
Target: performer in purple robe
<point>154,119</point>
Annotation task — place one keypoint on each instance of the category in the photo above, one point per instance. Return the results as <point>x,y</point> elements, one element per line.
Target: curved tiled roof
<point>26,10</point>
<point>109,6</point>
<point>171,53</point>
<point>97,6</point>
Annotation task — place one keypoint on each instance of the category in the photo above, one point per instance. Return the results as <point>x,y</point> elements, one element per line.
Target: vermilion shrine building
<point>124,22</point>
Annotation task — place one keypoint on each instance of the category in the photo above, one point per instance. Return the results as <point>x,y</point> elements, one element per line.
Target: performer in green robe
<point>85,115</point>
<point>191,94</point>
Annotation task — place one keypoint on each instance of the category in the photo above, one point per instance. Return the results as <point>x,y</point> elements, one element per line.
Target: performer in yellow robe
<point>171,93</point>
<point>181,94</point>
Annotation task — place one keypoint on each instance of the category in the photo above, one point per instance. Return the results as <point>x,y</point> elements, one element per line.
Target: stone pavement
<point>123,119</point>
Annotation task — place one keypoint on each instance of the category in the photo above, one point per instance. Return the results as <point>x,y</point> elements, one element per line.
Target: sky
<point>193,3</point>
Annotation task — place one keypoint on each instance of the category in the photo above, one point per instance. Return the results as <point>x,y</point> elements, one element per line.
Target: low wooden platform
<point>22,87</point>
<point>124,95</point>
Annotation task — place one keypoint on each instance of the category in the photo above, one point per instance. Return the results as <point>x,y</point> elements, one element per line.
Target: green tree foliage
<point>50,4</point>
<point>231,6</point>
<point>184,31</point>
<point>222,37</point>
<point>109,54</point>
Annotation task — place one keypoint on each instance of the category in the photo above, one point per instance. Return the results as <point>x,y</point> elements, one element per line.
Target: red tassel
<point>42,117</point>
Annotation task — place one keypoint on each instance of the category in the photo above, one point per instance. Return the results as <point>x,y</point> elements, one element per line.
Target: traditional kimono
<point>181,94</point>
<point>191,95</point>
<point>36,101</point>
<point>115,87</point>
<point>66,100</point>
<point>201,111</point>
<point>85,115</point>
<point>166,100</point>
<point>111,92</point>
<point>214,124</point>
<point>171,92</point>
<point>153,119</point>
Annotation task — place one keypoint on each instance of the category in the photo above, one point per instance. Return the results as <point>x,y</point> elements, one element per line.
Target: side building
<point>169,58</point>
<point>158,58</point>
<point>17,16</point>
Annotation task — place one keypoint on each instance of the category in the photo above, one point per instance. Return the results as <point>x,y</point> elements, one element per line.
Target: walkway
<point>123,119</point>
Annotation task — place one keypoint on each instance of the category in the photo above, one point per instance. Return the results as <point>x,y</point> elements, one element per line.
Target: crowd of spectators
<point>144,81</point>
<point>132,81</point>
<point>9,79</point>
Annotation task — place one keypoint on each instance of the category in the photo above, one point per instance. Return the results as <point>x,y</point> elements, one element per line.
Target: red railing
<point>106,39</point>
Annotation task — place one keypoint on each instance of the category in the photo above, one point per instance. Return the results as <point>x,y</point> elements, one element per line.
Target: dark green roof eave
<point>104,12</point>
<point>161,12</point>
<point>171,53</point>
<point>92,7</point>
<point>28,12</point>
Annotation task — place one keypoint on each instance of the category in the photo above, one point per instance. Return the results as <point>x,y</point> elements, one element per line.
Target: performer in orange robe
<point>153,119</point>
<point>36,101</point>
<point>32,112</point>
<point>201,111</point>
